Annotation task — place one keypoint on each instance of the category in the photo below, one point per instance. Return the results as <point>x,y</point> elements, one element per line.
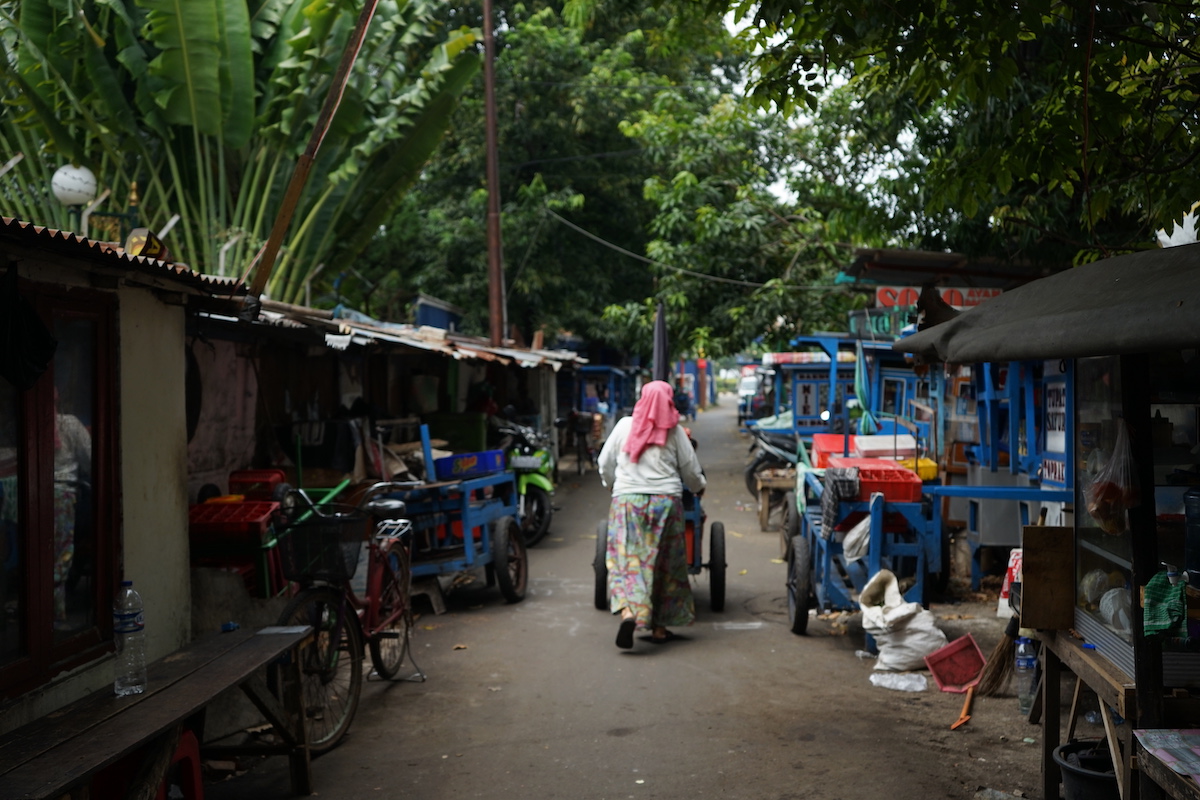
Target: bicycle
<point>320,550</point>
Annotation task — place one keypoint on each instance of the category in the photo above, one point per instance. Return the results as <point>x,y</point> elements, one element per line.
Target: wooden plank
<point>77,757</point>
<point>47,732</point>
<point>1107,680</point>
<point>1048,578</point>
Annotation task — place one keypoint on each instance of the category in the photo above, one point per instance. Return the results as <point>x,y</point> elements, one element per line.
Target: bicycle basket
<point>322,543</point>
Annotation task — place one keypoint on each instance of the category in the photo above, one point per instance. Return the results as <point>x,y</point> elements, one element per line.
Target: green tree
<point>562,93</point>
<point>1042,131</point>
<point>207,106</point>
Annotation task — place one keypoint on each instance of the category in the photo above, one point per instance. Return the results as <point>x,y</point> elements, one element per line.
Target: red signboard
<point>906,296</point>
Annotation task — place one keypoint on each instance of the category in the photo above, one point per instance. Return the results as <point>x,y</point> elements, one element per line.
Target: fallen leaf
<point>460,647</point>
<point>429,627</point>
<point>735,533</point>
<point>743,572</point>
<point>778,561</point>
<point>560,539</point>
<point>493,688</point>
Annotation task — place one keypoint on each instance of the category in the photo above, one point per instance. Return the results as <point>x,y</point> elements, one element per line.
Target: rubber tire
<point>536,526</point>
<point>600,566</point>
<point>760,462</point>
<point>799,585</point>
<point>510,561</point>
<point>791,524</point>
<point>387,650</point>
<point>207,492</point>
<point>716,566</point>
<point>327,691</point>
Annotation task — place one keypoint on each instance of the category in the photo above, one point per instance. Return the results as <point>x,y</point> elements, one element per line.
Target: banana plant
<point>201,108</point>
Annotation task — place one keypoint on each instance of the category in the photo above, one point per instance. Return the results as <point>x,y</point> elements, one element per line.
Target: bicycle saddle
<point>387,508</point>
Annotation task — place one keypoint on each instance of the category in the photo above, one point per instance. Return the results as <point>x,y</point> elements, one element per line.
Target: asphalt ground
<point>533,700</point>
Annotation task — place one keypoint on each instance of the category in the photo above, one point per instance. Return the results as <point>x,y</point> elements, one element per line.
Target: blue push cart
<point>468,522</point>
<point>902,537</point>
<point>694,519</point>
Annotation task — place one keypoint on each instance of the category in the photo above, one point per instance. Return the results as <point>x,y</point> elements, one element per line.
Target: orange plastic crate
<point>256,484</point>
<point>828,444</point>
<point>897,484</point>
<point>230,520</point>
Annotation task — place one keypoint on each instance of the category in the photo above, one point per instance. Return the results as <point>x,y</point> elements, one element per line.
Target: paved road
<point>533,700</point>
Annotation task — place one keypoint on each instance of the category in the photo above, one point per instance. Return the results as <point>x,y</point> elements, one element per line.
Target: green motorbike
<point>530,455</point>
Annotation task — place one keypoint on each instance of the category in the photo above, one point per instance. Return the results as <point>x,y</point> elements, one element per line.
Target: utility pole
<point>496,292</point>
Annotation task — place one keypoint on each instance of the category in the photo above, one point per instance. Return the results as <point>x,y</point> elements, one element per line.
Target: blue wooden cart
<point>466,523</point>
<point>903,537</point>
<point>694,519</point>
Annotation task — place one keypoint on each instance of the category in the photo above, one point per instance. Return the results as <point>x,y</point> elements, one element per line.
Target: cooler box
<point>885,446</point>
<point>897,484</point>
<point>469,465</point>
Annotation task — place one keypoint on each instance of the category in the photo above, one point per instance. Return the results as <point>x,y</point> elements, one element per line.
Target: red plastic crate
<point>828,444</point>
<point>230,520</point>
<point>256,484</point>
<point>898,484</point>
<point>957,665</point>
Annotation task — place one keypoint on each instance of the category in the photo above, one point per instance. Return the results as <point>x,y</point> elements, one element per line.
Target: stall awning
<point>1127,304</point>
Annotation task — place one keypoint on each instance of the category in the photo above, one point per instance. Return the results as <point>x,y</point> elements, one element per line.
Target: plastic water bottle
<point>129,635</point>
<point>1026,674</point>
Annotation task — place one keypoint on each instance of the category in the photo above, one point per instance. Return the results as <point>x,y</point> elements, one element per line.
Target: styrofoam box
<point>886,446</point>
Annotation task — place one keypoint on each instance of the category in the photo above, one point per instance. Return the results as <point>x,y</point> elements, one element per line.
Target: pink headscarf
<point>653,418</point>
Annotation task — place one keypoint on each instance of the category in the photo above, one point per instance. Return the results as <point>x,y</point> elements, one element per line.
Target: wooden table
<point>772,482</point>
<point>65,749</point>
<point>1171,782</point>
<point>1112,686</point>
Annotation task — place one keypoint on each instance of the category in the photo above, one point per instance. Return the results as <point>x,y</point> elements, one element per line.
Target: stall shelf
<point>1129,324</point>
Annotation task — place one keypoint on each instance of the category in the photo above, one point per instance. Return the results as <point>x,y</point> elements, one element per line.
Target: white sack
<point>904,632</point>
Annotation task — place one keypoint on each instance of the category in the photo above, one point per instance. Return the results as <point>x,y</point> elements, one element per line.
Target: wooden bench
<point>64,750</point>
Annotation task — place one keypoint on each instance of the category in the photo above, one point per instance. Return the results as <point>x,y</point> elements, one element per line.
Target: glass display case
<point>1106,487</point>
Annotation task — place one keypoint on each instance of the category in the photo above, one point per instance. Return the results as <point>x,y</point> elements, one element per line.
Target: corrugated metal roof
<point>27,234</point>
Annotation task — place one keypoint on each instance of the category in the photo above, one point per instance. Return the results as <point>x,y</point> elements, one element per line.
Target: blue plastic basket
<point>469,465</point>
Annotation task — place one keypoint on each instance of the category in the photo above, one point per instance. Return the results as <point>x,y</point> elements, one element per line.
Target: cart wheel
<point>510,562</point>
<point>535,524</point>
<point>330,667</point>
<point>600,566</point>
<point>791,524</point>
<point>799,585</point>
<point>716,566</point>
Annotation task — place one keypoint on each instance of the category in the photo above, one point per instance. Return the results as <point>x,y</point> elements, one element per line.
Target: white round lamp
<point>73,186</point>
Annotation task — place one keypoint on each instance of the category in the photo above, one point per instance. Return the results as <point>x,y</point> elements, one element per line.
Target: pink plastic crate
<point>957,665</point>
<point>898,484</point>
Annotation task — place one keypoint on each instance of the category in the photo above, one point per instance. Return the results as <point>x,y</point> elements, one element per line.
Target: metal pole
<point>496,305</point>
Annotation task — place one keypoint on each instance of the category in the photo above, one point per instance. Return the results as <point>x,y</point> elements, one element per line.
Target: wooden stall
<point>1110,595</point>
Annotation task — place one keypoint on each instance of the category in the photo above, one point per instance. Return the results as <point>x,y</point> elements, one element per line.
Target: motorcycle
<point>774,450</point>
<point>530,455</point>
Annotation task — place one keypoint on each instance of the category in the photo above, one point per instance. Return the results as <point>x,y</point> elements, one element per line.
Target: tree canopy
<point>1059,129</point>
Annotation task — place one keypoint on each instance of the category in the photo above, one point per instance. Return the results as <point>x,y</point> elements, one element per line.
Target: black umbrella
<point>661,363</point>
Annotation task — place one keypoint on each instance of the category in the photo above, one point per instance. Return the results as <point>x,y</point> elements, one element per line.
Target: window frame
<point>44,659</point>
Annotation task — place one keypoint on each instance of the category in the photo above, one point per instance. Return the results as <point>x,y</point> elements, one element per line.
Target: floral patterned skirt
<point>647,560</point>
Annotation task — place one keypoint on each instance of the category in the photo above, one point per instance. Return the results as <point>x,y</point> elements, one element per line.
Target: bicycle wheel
<point>330,667</point>
<point>390,641</point>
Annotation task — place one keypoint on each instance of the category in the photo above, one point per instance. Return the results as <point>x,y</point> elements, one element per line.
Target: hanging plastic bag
<point>1113,491</point>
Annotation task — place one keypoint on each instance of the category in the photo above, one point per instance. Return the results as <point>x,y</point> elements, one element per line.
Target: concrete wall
<point>154,467</point>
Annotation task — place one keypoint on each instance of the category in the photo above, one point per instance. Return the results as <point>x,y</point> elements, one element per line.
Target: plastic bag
<point>1113,491</point>
<point>901,682</point>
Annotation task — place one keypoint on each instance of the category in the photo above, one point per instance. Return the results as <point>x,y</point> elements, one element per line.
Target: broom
<point>1000,665</point>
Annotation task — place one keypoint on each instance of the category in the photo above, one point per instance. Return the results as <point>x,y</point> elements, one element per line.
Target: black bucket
<point>1087,771</point>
